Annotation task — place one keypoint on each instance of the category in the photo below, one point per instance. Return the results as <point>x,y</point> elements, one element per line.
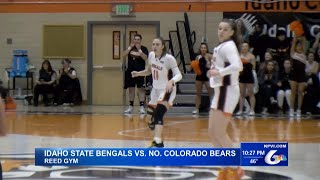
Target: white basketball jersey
<point>160,69</point>
<point>227,60</point>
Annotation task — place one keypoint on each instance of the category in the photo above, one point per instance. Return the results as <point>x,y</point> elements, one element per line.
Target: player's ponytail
<point>236,35</point>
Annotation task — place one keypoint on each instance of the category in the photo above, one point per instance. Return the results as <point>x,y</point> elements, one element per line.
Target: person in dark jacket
<point>45,83</point>
<point>268,79</point>
<point>284,90</point>
<point>68,90</point>
<point>282,48</point>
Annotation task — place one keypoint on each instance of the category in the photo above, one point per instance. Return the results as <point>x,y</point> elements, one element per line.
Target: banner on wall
<point>272,22</point>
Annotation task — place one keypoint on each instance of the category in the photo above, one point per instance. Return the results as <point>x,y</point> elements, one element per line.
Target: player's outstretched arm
<point>145,72</point>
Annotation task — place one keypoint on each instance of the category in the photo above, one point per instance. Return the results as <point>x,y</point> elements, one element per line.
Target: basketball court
<point>105,127</point>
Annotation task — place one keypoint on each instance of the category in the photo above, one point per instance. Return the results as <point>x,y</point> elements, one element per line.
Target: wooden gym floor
<point>105,126</point>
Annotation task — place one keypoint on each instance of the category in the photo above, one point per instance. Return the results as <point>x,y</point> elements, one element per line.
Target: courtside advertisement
<point>249,154</point>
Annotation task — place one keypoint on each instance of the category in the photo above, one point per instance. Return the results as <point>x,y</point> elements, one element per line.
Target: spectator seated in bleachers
<point>68,90</point>
<point>316,47</point>
<point>45,83</point>
<point>244,34</point>
<point>312,66</point>
<point>259,41</point>
<point>281,48</point>
<point>268,79</point>
<point>284,90</point>
<point>268,57</point>
<point>311,95</point>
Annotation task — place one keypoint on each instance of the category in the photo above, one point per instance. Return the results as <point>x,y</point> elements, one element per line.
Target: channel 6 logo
<point>273,159</point>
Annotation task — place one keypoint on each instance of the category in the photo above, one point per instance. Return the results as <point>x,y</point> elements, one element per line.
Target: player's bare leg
<point>218,124</point>
<point>211,127</point>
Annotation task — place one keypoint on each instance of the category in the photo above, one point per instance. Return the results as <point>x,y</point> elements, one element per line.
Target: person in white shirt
<point>163,93</point>
<point>224,78</point>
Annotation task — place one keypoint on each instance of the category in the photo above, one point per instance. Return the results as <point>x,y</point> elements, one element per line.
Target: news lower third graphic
<point>249,154</point>
<point>264,154</point>
<point>136,156</point>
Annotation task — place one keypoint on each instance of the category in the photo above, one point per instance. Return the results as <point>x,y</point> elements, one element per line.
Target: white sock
<point>157,140</point>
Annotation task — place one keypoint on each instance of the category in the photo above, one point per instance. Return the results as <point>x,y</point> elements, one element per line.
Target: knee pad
<point>150,113</point>
<point>159,113</point>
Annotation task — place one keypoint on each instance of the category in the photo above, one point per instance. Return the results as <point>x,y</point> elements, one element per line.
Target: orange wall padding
<point>57,6</point>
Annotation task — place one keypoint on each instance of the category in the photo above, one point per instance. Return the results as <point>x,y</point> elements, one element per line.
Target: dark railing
<point>191,37</point>
<point>181,43</point>
<point>176,49</point>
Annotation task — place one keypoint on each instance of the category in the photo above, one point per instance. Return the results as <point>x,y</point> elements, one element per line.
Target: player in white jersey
<point>224,78</point>
<point>2,127</point>
<point>164,90</point>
